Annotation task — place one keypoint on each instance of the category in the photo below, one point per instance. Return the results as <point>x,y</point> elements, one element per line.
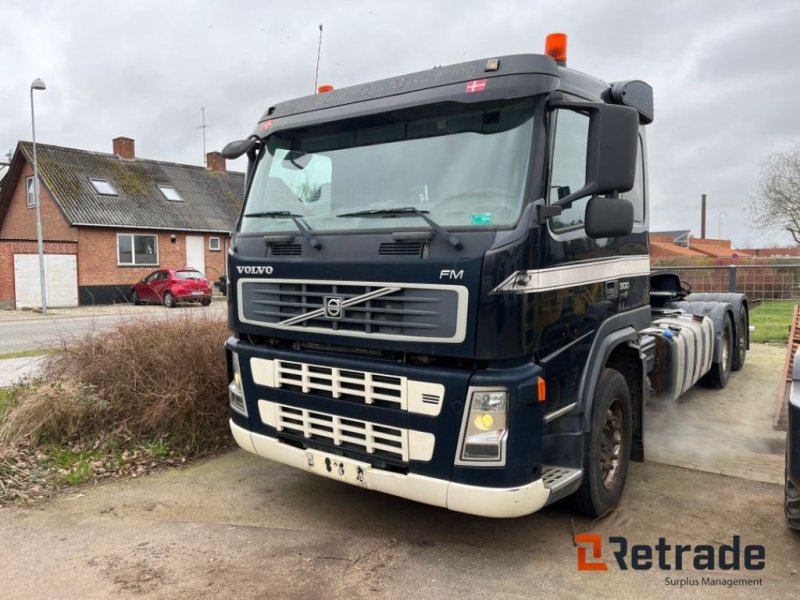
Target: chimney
<point>124,148</point>
<point>216,162</point>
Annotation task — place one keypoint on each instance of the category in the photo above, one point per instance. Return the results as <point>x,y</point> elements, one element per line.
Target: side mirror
<point>235,149</point>
<point>612,149</point>
<point>608,217</point>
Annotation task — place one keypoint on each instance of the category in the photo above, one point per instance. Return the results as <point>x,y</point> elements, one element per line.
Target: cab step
<point>557,478</point>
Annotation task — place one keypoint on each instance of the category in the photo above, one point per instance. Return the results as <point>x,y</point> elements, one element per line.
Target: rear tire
<point>720,371</point>
<point>791,503</point>
<point>169,300</point>
<point>742,336</point>
<point>607,447</point>
<point>206,302</point>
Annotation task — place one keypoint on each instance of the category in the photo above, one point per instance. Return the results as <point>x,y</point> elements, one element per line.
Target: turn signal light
<point>555,46</point>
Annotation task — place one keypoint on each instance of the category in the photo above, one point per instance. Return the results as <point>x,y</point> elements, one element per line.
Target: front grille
<point>354,434</point>
<point>361,387</point>
<point>388,311</point>
<point>341,383</point>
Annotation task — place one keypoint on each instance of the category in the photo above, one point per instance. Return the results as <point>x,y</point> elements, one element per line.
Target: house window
<point>135,250</point>
<point>30,201</point>
<point>170,193</point>
<point>214,244</point>
<point>103,187</point>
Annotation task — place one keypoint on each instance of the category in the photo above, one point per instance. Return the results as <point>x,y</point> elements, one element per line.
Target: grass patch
<point>28,353</point>
<point>772,321</point>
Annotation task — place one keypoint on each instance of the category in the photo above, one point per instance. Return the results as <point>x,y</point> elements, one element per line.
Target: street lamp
<point>38,84</point>
<point>720,226</point>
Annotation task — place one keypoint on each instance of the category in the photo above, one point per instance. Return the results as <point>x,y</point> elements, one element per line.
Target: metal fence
<point>773,288</point>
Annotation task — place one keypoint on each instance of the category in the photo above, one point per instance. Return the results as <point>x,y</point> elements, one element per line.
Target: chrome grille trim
<point>376,310</point>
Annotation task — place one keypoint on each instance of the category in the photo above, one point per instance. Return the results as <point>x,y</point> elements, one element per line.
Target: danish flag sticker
<point>476,85</point>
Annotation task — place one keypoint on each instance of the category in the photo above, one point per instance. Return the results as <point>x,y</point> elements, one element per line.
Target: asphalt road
<point>31,332</point>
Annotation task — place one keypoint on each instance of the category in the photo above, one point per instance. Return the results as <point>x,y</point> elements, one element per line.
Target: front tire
<point>607,447</point>
<point>720,371</point>
<point>169,300</point>
<point>135,299</point>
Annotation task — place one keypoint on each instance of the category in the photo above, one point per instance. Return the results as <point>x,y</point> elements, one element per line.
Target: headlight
<point>235,391</point>
<point>484,435</point>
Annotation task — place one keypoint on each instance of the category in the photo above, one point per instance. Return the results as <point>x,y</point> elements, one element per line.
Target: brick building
<point>108,220</point>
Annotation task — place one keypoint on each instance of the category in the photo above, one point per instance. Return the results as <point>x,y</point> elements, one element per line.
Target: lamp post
<point>720,226</point>
<point>38,84</point>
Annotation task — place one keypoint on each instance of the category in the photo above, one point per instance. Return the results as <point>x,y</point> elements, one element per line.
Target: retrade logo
<point>333,307</point>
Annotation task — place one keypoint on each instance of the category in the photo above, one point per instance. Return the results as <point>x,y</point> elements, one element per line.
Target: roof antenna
<point>204,127</point>
<point>319,51</point>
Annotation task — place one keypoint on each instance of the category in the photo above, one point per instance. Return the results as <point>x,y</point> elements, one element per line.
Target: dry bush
<point>148,377</point>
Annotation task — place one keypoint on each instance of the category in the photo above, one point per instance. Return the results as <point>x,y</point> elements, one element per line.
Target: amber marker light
<point>555,46</point>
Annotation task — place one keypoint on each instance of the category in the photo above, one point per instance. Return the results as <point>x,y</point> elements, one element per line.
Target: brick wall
<point>20,221</point>
<point>8,248</point>
<point>97,260</point>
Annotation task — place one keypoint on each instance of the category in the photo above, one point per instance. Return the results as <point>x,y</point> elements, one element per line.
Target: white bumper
<point>474,500</point>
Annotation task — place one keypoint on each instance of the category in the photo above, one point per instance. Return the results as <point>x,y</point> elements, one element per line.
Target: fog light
<point>484,437</point>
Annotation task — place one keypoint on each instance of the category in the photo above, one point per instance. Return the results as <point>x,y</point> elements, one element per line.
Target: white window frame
<point>211,247</point>
<point>171,189</point>
<point>95,180</point>
<point>133,263</point>
<point>30,192</point>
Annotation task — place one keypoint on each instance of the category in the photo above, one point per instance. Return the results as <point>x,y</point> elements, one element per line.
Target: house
<point>680,244</point>
<point>108,220</point>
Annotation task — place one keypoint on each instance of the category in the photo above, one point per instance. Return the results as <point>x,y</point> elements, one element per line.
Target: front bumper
<point>470,499</point>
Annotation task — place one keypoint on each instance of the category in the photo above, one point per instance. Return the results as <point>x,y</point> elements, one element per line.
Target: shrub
<point>152,378</point>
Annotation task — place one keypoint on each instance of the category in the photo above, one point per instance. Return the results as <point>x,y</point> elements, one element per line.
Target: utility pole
<point>703,216</point>
<point>319,51</point>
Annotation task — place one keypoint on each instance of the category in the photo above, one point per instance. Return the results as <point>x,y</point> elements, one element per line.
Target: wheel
<point>607,447</point>
<point>135,299</point>
<point>742,335</point>
<point>720,371</point>
<point>205,301</point>
<point>791,504</point>
<point>169,300</point>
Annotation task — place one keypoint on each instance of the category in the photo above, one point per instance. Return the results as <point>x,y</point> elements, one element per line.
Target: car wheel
<point>720,371</point>
<point>791,503</point>
<point>742,333</point>
<point>135,299</point>
<point>206,301</point>
<point>607,447</point>
<point>169,300</point>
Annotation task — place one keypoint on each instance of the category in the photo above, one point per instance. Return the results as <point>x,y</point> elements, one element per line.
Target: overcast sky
<point>726,74</point>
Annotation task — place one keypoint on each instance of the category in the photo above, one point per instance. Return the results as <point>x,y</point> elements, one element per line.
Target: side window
<point>568,168</point>
<point>636,194</point>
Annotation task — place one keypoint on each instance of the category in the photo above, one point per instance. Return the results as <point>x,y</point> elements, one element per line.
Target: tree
<point>776,202</point>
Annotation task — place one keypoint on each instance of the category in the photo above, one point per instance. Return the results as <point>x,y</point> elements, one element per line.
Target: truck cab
<point>439,286</point>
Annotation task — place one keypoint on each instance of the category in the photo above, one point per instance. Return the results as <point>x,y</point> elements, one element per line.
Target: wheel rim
<point>726,348</point>
<point>611,445</point>
<point>168,299</point>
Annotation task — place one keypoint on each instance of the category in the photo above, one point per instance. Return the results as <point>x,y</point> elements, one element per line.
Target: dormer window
<point>103,187</point>
<point>170,193</point>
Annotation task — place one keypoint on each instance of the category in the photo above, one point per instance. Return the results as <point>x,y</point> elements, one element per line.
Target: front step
<point>556,478</point>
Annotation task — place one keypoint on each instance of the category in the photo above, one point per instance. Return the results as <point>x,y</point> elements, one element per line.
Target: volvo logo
<point>333,307</point>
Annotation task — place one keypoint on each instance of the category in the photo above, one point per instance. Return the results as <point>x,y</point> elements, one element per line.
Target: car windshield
<point>189,275</point>
<point>465,167</point>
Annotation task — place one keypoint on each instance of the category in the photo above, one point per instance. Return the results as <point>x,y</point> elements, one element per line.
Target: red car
<point>171,286</point>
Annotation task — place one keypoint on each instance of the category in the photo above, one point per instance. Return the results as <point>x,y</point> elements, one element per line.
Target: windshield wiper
<point>285,214</point>
<point>408,210</point>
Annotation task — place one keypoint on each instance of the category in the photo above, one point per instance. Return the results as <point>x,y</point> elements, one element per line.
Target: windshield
<point>465,167</point>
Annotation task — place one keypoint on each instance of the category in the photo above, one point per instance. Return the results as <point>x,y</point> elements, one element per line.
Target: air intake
<point>400,249</point>
<point>286,250</point>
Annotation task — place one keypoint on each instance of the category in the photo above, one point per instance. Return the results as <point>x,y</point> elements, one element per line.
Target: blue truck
<point>440,288</point>
<point>792,487</point>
